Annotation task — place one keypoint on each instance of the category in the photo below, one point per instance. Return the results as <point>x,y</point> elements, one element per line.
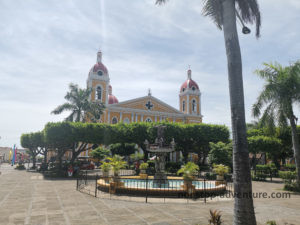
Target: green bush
<point>290,167</point>
<point>144,166</point>
<point>271,222</point>
<point>20,167</point>
<point>287,176</point>
<point>211,176</point>
<point>292,187</point>
<point>172,167</point>
<point>259,177</point>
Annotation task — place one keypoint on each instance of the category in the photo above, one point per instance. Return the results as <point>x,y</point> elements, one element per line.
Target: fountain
<point>160,149</point>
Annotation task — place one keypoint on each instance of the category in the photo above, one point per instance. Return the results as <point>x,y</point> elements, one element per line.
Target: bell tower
<point>98,80</point>
<point>190,96</point>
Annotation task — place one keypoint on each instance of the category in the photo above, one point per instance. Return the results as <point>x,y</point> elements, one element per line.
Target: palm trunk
<point>295,140</point>
<point>243,204</point>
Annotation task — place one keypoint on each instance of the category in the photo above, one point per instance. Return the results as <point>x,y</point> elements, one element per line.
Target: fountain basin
<point>135,186</point>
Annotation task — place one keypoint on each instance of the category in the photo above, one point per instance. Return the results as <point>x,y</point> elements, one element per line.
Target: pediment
<point>147,103</point>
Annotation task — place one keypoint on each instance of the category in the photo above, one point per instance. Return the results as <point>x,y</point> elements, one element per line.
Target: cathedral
<point>146,108</point>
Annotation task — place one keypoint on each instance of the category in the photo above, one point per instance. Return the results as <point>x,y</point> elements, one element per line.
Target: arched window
<point>98,93</point>
<point>194,105</point>
<point>126,120</point>
<point>193,88</point>
<point>183,106</point>
<point>114,120</point>
<point>149,120</point>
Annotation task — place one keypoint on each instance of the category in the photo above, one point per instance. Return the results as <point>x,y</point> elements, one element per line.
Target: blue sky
<point>45,45</point>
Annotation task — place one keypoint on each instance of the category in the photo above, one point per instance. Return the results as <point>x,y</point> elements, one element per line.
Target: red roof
<point>112,99</point>
<point>189,83</point>
<point>100,66</point>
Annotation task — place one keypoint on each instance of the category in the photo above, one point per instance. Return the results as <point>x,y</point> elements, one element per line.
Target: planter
<point>105,173</point>
<point>189,187</point>
<point>220,177</point>
<point>143,176</point>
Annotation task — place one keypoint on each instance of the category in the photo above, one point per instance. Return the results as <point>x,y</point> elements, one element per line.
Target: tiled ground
<point>26,198</point>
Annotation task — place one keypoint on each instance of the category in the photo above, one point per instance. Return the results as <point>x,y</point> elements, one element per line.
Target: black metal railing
<point>109,186</point>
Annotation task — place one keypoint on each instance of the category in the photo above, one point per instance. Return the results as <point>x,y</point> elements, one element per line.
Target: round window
<point>100,73</point>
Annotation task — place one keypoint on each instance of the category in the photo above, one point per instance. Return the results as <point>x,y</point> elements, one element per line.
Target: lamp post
<point>245,29</point>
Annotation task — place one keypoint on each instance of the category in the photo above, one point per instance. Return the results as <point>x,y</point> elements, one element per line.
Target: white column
<point>121,114</point>
<point>142,118</point>
<point>160,118</point>
<point>136,118</point>
<point>188,104</point>
<point>108,117</point>
<point>132,117</point>
<point>155,119</point>
<point>200,104</point>
<point>174,119</point>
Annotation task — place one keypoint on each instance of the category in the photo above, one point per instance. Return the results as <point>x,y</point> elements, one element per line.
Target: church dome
<point>189,83</point>
<point>111,98</point>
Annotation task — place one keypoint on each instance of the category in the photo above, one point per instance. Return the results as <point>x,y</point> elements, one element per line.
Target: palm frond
<point>160,2</point>
<point>64,107</point>
<point>213,9</point>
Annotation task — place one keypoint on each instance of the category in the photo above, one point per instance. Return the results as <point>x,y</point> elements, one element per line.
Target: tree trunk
<point>33,161</point>
<point>295,140</point>
<point>243,202</point>
<point>45,155</point>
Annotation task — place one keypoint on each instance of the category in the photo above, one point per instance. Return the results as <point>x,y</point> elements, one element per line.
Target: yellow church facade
<point>146,108</point>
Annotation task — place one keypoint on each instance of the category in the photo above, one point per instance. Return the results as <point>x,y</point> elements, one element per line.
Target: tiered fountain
<point>160,149</point>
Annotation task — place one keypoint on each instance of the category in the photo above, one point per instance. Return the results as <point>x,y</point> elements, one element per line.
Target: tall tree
<point>82,109</point>
<point>280,92</point>
<point>224,14</point>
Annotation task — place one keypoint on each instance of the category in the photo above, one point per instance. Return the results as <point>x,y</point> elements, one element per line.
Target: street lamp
<point>245,29</point>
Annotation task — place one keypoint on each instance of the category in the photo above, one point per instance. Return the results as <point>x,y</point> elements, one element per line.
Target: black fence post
<point>86,177</point>
<point>96,185</point>
<point>204,190</point>
<point>147,189</point>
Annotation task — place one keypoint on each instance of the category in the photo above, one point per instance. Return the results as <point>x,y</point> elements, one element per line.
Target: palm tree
<point>224,14</point>
<point>82,109</point>
<point>280,92</point>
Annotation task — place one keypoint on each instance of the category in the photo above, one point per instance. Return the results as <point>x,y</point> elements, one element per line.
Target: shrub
<point>292,187</point>
<point>221,169</point>
<point>173,167</point>
<point>188,171</point>
<point>105,166</point>
<point>20,167</point>
<point>287,176</point>
<point>210,176</point>
<point>144,166</point>
<point>290,167</point>
<point>259,177</point>
<point>215,217</point>
<point>271,222</point>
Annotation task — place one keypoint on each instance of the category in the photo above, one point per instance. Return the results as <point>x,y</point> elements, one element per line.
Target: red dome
<point>112,99</point>
<point>189,83</point>
<point>99,66</point>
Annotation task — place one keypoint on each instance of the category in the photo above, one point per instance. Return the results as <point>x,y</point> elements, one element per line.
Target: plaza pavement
<point>27,198</point>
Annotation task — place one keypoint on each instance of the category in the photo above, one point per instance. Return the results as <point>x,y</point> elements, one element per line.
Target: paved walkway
<point>26,198</point>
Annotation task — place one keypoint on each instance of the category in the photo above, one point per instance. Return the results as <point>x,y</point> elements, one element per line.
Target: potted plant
<point>143,167</point>
<point>188,171</point>
<point>220,170</point>
<point>116,162</point>
<point>105,169</point>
